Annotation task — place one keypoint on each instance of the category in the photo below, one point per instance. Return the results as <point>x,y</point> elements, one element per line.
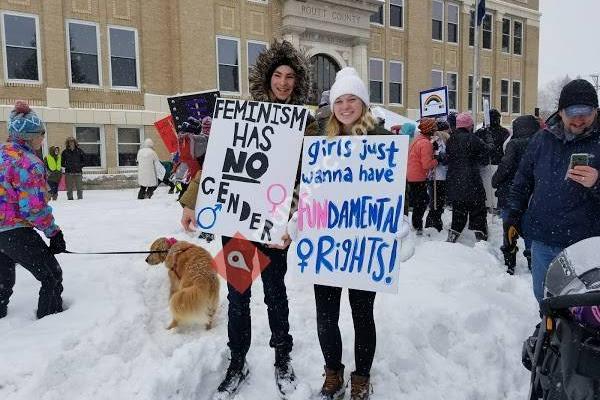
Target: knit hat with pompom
<point>347,81</point>
<point>24,123</point>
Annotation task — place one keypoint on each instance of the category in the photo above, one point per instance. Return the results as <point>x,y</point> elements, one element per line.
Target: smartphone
<point>536,112</point>
<point>579,159</point>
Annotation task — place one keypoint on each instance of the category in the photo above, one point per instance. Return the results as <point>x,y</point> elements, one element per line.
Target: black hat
<point>578,92</point>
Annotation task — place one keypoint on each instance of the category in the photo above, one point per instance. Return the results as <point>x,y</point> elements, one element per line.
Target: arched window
<point>324,69</point>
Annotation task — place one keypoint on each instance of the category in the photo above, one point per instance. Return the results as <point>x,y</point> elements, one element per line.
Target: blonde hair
<point>365,123</point>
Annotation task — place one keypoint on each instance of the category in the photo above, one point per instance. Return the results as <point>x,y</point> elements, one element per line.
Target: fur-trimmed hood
<point>280,53</point>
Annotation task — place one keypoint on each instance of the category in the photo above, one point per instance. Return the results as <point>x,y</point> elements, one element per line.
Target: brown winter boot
<point>360,387</point>
<point>333,387</point>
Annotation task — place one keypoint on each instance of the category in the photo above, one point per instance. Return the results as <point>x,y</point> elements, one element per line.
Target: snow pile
<point>454,332</point>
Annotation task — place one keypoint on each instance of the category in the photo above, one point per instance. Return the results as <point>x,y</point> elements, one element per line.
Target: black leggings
<point>25,247</point>
<point>418,200</point>
<point>327,299</point>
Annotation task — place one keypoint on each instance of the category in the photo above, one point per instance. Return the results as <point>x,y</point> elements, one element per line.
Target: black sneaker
<point>285,378</point>
<point>234,378</point>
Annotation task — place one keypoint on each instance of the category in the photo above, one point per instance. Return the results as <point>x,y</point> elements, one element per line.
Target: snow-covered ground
<point>454,332</point>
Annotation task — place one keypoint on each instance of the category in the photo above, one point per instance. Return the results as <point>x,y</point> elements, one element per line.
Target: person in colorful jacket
<point>23,207</point>
<point>53,165</point>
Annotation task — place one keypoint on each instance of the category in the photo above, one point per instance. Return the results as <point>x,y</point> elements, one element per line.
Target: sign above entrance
<point>434,102</point>
<point>313,14</point>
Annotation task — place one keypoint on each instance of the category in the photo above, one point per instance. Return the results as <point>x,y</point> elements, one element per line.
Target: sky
<point>568,25</point>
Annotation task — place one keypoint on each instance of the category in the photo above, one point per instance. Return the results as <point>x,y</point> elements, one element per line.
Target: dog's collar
<point>171,241</point>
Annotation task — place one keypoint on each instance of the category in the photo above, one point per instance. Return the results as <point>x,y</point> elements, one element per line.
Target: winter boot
<point>527,254</point>
<point>333,387</point>
<point>236,375</point>
<point>360,387</point>
<point>452,236</point>
<point>510,258</point>
<point>285,378</point>
<point>480,236</point>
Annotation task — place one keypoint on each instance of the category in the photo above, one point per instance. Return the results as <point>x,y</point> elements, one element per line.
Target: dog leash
<point>119,252</point>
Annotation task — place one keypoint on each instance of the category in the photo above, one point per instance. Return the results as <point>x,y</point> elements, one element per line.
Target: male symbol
<point>211,210</point>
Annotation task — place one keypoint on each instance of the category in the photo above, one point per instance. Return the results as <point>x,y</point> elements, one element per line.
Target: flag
<point>480,11</point>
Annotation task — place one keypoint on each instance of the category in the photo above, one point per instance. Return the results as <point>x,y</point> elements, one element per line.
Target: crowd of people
<point>540,195</point>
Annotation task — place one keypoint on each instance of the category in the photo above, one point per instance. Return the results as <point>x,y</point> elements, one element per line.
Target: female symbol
<point>279,197</point>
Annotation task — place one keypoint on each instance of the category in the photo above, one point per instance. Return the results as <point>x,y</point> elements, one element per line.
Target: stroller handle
<point>557,303</point>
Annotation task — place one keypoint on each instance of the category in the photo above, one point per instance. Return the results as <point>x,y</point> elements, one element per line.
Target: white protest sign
<point>250,168</point>
<point>350,210</point>
<point>434,102</point>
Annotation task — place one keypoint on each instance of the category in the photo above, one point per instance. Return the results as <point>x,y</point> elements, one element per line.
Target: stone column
<point>360,59</point>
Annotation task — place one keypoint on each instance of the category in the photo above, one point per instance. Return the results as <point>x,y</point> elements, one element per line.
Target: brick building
<point>109,84</point>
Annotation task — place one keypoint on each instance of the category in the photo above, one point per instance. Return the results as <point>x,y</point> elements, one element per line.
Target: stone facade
<point>177,52</point>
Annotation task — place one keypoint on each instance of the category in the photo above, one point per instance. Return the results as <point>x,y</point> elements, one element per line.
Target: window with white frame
<point>452,23</point>
<point>90,141</point>
<point>486,90</point>
<point>504,95</point>
<point>472,28</point>
<point>254,49</point>
<point>516,97</point>
<point>84,53</point>
<point>128,144</point>
<point>437,20</point>
<point>517,37</point>
<point>21,50</point>
<point>377,17</point>
<point>229,64</point>
<point>376,80</point>
<point>123,46</point>
<point>486,32</point>
<point>437,78</point>
<point>505,35</point>
<point>470,93</point>
<point>397,13</point>
<point>452,83</point>
<point>396,80</point>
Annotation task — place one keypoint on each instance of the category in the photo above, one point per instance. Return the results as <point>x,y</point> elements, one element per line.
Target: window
<point>254,49</point>
<point>486,32</point>
<point>228,59</point>
<point>83,53</point>
<point>128,144</point>
<point>472,28</point>
<point>486,91</point>
<point>504,96</point>
<point>470,92</point>
<point>452,83</point>
<point>516,97</point>
<point>452,34</point>
<point>437,20</point>
<point>21,52</point>
<point>517,37</point>
<point>437,78</point>
<point>376,80</point>
<point>505,35</point>
<point>396,79</point>
<point>123,47</point>
<point>397,13</point>
<point>90,141</point>
<point>377,18</point>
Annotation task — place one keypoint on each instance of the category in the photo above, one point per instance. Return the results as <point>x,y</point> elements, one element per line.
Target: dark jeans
<point>146,192</point>
<point>436,208</point>
<point>327,300</point>
<point>239,322</point>
<point>418,200</point>
<point>53,189</point>
<point>25,247</point>
<point>74,181</point>
<point>474,211</point>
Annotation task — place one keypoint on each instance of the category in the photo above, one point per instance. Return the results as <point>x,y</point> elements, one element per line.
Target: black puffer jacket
<point>73,161</point>
<point>465,153</point>
<point>524,128</point>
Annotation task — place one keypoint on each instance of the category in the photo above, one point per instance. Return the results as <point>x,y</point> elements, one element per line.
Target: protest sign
<point>166,131</point>
<point>351,210</point>
<point>247,182</point>
<point>434,102</point>
<point>195,105</point>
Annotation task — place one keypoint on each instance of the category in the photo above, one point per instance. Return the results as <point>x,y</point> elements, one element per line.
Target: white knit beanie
<point>347,81</point>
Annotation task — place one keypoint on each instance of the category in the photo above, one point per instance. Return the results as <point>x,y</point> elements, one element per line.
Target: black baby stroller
<point>563,354</point>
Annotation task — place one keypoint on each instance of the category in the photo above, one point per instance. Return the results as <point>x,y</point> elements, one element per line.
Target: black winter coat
<point>494,137</point>
<point>524,128</point>
<point>465,153</point>
<point>73,161</point>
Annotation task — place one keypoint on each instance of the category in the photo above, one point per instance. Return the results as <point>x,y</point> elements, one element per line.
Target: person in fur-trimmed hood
<point>280,75</point>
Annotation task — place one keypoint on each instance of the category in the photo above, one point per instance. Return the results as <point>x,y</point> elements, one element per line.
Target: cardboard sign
<point>195,105</point>
<point>250,168</point>
<point>350,211</point>
<point>434,102</point>
<point>166,131</point>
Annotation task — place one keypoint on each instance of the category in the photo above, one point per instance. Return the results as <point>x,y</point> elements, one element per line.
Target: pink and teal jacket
<point>23,190</point>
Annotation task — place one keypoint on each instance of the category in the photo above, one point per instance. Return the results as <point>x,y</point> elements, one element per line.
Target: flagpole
<point>476,67</point>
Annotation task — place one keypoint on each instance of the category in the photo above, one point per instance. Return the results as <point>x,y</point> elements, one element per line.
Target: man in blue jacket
<point>558,204</point>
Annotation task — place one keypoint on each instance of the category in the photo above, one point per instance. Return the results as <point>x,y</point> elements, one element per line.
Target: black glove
<point>57,243</point>
<point>512,227</point>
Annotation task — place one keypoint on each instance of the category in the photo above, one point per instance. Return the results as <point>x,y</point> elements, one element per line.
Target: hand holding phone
<point>580,170</point>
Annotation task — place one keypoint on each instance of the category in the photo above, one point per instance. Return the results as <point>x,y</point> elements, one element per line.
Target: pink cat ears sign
<point>247,182</point>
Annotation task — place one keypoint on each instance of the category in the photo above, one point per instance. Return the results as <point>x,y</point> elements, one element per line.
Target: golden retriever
<point>194,290</point>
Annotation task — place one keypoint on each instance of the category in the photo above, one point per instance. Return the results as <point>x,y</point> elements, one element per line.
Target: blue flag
<point>480,11</point>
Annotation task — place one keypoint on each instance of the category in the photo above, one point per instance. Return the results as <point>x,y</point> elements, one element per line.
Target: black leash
<point>120,252</point>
